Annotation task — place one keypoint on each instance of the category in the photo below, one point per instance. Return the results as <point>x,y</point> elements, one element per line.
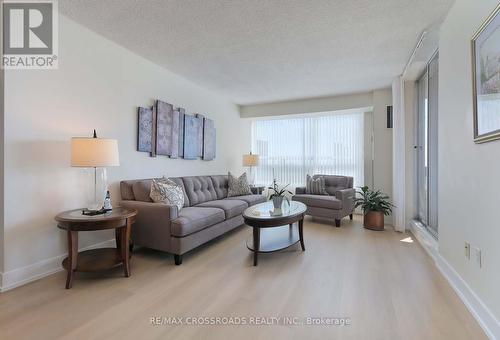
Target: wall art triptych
<point>168,131</point>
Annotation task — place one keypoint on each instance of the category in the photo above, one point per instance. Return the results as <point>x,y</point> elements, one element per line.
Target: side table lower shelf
<point>95,260</point>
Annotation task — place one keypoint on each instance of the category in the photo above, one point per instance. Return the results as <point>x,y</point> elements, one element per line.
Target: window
<point>427,147</point>
<point>290,149</point>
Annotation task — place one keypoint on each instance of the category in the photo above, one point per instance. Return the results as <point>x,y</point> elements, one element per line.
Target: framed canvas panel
<point>208,139</point>
<point>182,112</point>
<point>175,134</point>
<point>486,79</point>
<point>200,117</point>
<point>164,121</point>
<point>145,130</point>
<point>191,137</point>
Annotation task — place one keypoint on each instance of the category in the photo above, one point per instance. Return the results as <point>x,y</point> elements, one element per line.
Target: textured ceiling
<point>258,51</point>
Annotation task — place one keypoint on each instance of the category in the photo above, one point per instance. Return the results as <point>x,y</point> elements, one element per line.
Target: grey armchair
<point>339,202</point>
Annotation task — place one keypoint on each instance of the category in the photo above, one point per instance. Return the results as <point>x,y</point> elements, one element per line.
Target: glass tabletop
<point>266,210</point>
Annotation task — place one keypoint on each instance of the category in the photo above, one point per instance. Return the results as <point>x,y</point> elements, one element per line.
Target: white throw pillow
<point>166,191</point>
<point>238,186</point>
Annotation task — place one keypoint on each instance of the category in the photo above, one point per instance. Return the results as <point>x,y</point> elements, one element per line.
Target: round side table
<point>73,221</point>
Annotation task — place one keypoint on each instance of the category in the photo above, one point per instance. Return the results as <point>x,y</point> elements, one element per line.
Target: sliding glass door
<point>427,147</point>
<point>423,151</point>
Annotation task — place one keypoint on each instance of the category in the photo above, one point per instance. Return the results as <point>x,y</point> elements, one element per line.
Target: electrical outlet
<point>467,250</point>
<point>477,256</point>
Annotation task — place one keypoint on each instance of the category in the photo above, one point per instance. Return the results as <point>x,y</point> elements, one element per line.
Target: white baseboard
<point>35,271</point>
<point>485,318</point>
<point>428,242</point>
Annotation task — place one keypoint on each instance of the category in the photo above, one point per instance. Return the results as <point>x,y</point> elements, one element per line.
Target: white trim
<point>398,155</point>
<point>417,47</point>
<point>428,242</point>
<point>21,276</point>
<point>482,314</point>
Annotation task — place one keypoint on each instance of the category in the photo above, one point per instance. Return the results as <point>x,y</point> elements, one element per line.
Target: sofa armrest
<point>300,190</point>
<point>347,197</point>
<point>152,225</point>
<point>149,209</point>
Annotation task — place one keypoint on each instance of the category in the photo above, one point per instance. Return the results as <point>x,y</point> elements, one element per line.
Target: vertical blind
<point>330,144</point>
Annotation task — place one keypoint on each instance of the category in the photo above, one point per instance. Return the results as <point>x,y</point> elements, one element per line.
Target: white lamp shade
<point>250,160</point>
<point>94,152</point>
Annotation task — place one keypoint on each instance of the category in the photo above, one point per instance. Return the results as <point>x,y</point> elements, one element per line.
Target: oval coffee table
<point>274,230</point>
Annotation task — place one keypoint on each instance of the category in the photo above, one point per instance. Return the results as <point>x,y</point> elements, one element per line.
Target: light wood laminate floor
<point>388,288</point>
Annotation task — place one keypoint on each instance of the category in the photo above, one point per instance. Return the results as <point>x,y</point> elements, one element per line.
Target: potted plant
<point>375,205</point>
<point>277,195</point>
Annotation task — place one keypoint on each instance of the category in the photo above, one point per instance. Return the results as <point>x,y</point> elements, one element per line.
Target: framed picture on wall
<point>486,79</point>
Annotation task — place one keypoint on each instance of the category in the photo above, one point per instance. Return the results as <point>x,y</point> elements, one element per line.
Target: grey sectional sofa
<point>207,213</point>
<point>337,204</point>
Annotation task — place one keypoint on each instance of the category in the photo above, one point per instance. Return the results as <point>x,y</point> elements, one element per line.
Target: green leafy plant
<point>277,192</point>
<point>373,200</point>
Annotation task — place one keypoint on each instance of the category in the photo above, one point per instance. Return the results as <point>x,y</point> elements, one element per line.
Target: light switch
<point>467,250</point>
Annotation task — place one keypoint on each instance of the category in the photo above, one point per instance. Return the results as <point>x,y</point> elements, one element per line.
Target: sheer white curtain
<point>329,144</point>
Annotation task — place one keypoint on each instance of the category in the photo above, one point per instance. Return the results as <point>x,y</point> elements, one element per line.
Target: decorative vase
<point>277,202</point>
<point>374,220</point>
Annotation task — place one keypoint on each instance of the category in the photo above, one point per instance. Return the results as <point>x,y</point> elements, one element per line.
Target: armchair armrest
<point>152,224</point>
<point>347,197</point>
<point>300,190</point>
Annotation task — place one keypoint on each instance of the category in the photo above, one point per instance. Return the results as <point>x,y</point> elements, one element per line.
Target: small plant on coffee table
<point>278,194</point>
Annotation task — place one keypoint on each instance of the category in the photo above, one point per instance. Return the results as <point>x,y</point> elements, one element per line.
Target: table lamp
<point>96,154</point>
<point>250,160</point>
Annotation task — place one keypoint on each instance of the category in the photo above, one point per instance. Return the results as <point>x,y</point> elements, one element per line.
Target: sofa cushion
<point>126,190</point>
<point>238,186</point>
<point>193,219</point>
<point>220,185</point>
<point>179,182</point>
<point>166,191</point>
<point>142,190</point>
<point>319,201</point>
<point>249,199</point>
<point>199,189</point>
<point>231,208</point>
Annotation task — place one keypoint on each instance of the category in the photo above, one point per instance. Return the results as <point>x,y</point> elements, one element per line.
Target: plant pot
<point>277,202</point>
<point>374,220</point>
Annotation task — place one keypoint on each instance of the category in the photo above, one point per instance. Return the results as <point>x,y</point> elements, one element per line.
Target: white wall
<point>2,115</point>
<point>98,85</point>
<point>2,87</point>
<point>308,105</point>
<point>382,165</point>
<point>410,101</point>
<point>469,180</point>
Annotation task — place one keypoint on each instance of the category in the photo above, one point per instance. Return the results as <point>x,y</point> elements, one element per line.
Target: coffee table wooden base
<point>268,240</point>
<point>279,231</point>
<point>275,239</point>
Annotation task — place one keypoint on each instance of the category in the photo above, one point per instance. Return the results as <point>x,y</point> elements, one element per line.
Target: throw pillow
<point>166,191</point>
<point>315,186</point>
<point>238,186</point>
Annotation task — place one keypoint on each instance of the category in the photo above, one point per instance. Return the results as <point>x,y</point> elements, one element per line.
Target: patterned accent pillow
<point>315,186</point>
<point>238,186</point>
<point>166,191</point>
